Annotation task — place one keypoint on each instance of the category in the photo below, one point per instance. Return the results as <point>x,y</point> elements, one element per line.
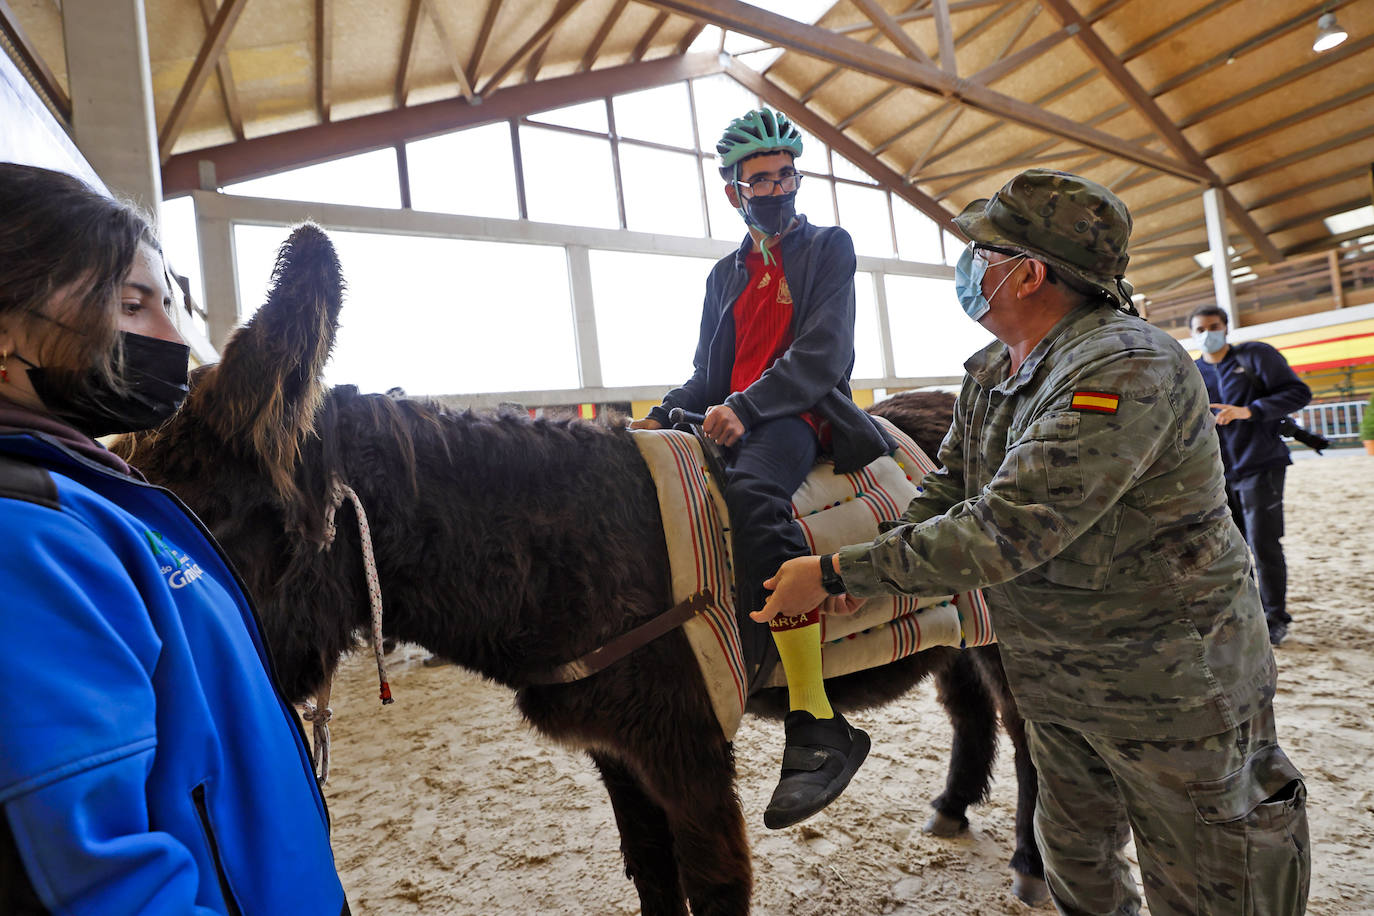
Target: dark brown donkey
<point>510,546</point>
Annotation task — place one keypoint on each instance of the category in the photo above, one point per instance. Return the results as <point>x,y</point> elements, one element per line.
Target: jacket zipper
<point>198,796</point>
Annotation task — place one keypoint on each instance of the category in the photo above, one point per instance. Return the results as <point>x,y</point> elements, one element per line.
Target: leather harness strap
<point>623,645</point>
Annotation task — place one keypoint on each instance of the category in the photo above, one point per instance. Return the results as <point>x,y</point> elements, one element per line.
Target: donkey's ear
<point>264,394</point>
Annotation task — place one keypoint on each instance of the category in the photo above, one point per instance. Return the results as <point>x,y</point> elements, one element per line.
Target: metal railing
<point>1301,284</point>
<point>1334,420</point>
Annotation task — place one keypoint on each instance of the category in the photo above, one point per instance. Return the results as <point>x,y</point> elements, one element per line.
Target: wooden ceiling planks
<point>1287,131</point>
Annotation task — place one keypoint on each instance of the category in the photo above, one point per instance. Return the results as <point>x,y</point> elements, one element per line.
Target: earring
<point>4,368</point>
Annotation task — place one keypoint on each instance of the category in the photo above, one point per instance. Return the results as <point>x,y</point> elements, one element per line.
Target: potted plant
<point>1367,426</point>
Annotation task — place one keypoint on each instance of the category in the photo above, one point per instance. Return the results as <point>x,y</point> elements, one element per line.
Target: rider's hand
<point>646,423</point>
<point>1228,412</point>
<point>722,426</point>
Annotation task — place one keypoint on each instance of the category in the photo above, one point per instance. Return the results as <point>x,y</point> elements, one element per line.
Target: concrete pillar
<point>112,96</point>
<point>216,237</point>
<point>1214,208</point>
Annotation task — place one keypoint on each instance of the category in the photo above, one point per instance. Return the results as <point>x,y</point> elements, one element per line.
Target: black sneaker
<point>1278,632</point>
<point>822,755</point>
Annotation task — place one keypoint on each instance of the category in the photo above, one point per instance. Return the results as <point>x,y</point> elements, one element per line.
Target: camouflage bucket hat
<point>1074,224</point>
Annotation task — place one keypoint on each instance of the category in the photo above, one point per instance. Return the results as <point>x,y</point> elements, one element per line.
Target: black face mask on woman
<point>154,377</point>
<point>773,213</point>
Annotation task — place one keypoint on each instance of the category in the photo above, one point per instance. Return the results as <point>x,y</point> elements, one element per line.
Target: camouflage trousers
<point>1220,823</point>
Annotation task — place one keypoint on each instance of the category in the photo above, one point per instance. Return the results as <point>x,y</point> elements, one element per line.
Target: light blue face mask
<point>968,281</point>
<point>1210,341</point>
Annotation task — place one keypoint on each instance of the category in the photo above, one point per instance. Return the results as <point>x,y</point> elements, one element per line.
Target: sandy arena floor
<point>436,818</point>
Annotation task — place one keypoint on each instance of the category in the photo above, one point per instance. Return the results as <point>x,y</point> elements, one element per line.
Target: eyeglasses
<point>984,250</point>
<point>762,187</point>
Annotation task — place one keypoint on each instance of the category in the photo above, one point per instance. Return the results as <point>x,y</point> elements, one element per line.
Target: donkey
<point>509,546</point>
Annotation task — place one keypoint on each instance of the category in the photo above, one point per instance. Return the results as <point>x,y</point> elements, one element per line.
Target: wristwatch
<point>830,580</point>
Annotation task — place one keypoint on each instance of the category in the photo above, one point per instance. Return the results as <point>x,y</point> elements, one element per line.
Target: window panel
<point>846,169</point>
<point>918,237</point>
<point>648,315</point>
<point>583,115</point>
<point>659,115</point>
<point>954,246</point>
<point>662,193</point>
<point>931,335</point>
<point>180,243</point>
<point>508,325</point>
<point>469,171</point>
<point>813,199</point>
<point>726,223</point>
<point>863,211</point>
<point>868,346</point>
<point>366,180</point>
<point>568,179</point>
<point>719,100</point>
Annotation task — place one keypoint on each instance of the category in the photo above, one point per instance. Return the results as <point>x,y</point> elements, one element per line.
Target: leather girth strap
<point>623,645</point>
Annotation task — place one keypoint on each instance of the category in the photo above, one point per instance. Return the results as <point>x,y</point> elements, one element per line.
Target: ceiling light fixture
<point>1329,33</point>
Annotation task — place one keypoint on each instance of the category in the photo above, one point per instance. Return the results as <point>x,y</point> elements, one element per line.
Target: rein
<point>318,713</point>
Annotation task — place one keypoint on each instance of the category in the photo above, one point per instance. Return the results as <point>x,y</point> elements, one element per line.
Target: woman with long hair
<point>148,761</point>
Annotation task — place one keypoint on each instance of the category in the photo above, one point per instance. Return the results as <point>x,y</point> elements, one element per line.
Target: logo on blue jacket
<point>179,569</point>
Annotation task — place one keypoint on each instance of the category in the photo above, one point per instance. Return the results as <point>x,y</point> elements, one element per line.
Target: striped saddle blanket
<point>832,510</point>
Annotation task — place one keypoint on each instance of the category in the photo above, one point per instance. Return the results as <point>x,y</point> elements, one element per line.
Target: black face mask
<point>773,213</point>
<point>155,386</point>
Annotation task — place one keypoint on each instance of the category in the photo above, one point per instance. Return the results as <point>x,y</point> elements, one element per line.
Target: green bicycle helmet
<point>759,131</point>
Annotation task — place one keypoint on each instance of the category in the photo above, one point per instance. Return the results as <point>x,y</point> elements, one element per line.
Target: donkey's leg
<point>692,777</point>
<point>1028,879</point>
<point>974,748</point>
<point>711,844</point>
<point>645,840</point>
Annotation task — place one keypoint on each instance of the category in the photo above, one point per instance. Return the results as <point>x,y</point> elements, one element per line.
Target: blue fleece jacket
<point>814,372</point>
<point>1254,445</point>
<point>149,762</point>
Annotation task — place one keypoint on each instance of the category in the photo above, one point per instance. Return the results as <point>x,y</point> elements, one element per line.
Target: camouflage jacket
<point>1085,493</point>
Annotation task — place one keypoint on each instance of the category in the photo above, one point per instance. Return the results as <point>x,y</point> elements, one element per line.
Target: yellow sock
<point>799,648</point>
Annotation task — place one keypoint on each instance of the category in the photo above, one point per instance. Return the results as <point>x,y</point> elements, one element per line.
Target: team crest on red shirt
<point>784,294</point>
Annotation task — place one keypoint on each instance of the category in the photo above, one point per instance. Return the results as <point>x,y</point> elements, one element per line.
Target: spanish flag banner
<point>1099,401</point>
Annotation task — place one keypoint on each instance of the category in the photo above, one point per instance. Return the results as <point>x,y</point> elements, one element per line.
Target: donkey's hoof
<point>945,826</point>
<point>1030,891</point>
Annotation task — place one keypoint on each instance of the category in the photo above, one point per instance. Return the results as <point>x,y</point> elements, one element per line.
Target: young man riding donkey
<point>772,370</point>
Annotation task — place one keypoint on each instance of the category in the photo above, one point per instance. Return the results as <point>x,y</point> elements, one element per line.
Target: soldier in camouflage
<point>1082,488</point>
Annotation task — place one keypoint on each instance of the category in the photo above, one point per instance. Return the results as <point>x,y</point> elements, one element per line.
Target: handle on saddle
<point>689,422</point>
<point>679,417</point>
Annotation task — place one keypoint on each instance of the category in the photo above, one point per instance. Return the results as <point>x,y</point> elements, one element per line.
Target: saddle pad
<point>832,510</point>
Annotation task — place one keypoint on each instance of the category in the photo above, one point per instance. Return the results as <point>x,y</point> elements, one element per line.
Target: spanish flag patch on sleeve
<point>1099,401</point>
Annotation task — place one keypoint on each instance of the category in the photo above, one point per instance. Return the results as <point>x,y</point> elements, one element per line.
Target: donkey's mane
<point>543,512</point>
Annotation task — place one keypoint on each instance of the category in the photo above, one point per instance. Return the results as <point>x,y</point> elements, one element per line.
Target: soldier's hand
<point>722,426</point>
<point>796,589</point>
<point>1228,412</point>
<point>842,605</point>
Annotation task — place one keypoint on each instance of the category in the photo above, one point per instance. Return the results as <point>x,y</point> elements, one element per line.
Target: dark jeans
<point>761,474</point>
<point>1257,506</point>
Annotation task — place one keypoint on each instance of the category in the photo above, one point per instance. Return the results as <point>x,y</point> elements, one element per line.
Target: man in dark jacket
<point>771,375</point>
<point>1252,388</point>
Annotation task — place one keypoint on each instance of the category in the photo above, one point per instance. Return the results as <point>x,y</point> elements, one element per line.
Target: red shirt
<point>763,324</point>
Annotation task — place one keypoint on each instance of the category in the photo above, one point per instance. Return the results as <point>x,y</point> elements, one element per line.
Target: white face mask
<point>1210,341</point>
